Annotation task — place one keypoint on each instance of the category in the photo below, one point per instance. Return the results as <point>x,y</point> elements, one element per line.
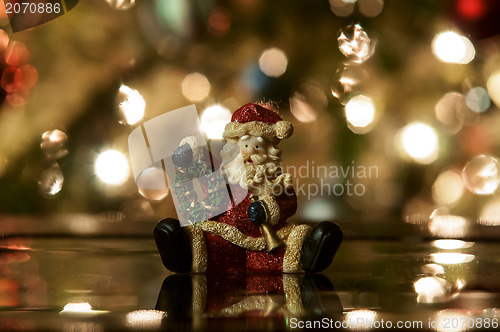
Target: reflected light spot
<point>448,226</point>
<point>450,258</point>
<point>448,188</point>
<point>493,86</point>
<point>453,48</point>
<point>145,319</point>
<point>449,244</point>
<point>82,307</point>
<point>195,87</point>
<point>360,111</point>
<point>481,175</point>
<point>360,319</point>
<point>477,99</point>
<point>130,104</point>
<point>420,142</point>
<point>273,62</point>
<point>432,270</point>
<point>121,4</point>
<point>214,120</point>
<point>432,289</point>
<point>490,213</point>
<point>112,167</point>
<point>444,319</point>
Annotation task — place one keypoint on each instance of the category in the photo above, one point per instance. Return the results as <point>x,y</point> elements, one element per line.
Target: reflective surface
<point>117,282</point>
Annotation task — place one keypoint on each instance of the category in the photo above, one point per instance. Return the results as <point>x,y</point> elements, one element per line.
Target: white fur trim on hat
<point>281,130</point>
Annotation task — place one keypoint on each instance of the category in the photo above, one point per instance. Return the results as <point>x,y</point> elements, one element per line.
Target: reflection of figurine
<point>253,235</point>
<point>198,301</point>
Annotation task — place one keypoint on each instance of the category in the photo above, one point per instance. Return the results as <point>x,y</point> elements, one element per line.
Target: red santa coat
<point>230,242</point>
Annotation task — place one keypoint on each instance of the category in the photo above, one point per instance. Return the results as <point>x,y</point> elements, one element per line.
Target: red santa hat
<point>253,119</point>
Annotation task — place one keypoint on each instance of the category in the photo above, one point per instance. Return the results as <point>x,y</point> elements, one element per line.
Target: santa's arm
<point>280,208</point>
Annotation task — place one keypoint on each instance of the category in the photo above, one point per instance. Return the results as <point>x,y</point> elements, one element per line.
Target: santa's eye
<point>256,146</point>
<point>246,145</point>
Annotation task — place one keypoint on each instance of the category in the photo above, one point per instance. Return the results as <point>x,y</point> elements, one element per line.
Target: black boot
<point>173,244</point>
<point>320,247</point>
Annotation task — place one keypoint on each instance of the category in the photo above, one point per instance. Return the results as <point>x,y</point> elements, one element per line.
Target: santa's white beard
<point>263,176</point>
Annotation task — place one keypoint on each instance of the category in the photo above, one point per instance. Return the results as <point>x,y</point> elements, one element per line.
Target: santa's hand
<point>257,213</point>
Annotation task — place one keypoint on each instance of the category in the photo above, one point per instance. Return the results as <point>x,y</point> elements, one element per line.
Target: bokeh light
<point>448,226</point>
<point>432,289</point>
<point>452,315</point>
<point>451,47</point>
<point>490,213</point>
<point>370,8</point>
<point>493,86</point>
<point>131,105</point>
<point>360,111</point>
<point>121,4</point>
<point>195,87</point>
<point>273,62</point>
<point>481,175</point>
<point>477,99</point>
<point>342,8</point>
<point>77,307</point>
<point>420,142</point>
<point>214,120</point>
<point>347,80</point>
<point>112,167</point>
<point>152,184</point>
<point>50,181</point>
<point>355,44</point>
<point>362,317</point>
<point>54,144</point>
<point>448,188</point>
<point>451,111</point>
<point>307,102</point>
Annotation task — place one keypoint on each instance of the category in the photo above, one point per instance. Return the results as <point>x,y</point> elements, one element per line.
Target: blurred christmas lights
<point>54,144</point>
<point>273,62</point>
<point>420,142</point>
<point>131,105</point>
<point>477,99</point>
<point>112,167</point>
<point>448,188</point>
<point>481,175</point>
<point>213,121</point>
<point>121,4</point>
<point>355,44</point>
<point>451,47</point>
<point>360,111</point>
<point>195,87</point>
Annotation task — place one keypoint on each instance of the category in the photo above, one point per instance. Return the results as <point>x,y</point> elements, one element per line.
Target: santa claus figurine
<point>253,235</point>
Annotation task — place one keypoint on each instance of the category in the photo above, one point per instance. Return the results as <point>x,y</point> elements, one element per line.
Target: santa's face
<point>254,149</point>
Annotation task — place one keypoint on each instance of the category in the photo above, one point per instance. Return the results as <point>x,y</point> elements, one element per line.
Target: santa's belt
<point>235,236</point>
